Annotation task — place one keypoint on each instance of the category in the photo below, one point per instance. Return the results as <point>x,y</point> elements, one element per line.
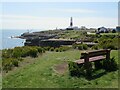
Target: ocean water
<point>8,42</point>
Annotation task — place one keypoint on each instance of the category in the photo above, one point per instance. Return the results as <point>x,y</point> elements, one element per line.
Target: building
<point>71,27</point>
<point>103,30</point>
<point>118,28</point>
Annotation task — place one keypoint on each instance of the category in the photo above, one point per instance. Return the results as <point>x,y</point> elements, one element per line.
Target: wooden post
<point>108,54</point>
<point>87,64</point>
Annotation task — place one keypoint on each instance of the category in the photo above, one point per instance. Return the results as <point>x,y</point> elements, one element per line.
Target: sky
<point>51,15</point>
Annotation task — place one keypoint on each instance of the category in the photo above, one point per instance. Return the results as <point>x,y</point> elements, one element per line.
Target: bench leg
<point>108,55</point>
<point>88,67</point>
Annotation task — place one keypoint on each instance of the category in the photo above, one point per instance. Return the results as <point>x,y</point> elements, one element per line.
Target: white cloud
<point>32,22</point>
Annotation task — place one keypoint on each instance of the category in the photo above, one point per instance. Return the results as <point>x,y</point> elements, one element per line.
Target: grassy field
<point>41,74</point>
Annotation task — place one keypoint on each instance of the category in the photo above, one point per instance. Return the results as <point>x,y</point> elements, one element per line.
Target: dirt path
<point>61,68</point>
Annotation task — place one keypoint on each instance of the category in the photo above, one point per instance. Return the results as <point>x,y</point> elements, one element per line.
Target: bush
<point>7,64</point>
<point>40,50</point>
<point>74,46</point>
<point>98,65</point>
<point>80,47</point>
<point>57,49</point>
<point>7,53</point>
<point>51,49</point>
<point>64,48</point>
<point>15,62</point>
<point>110,42</point>
<point>33,52</point>
<point>110,65</point>
<point>76,70</point>
<point>17,52</point>
<point>85,47</point>
<point>95,47</point>
<point>109,46</point>
<point>11,57</point>
<point>47,48</point>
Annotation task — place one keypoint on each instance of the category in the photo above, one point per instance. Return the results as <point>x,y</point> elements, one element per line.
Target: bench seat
<point>80,61</point>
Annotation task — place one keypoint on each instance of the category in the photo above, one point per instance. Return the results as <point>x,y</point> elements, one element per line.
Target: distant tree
<point>98,29</point>
<point>106,31</point>
<point>113,31</point>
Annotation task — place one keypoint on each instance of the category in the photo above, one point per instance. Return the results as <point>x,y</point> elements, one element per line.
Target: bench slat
<point>80,61</point>
<point>94,53</point>
<point>96,58</point>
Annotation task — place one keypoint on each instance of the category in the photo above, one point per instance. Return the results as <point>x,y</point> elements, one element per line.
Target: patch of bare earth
<point>61,68</point>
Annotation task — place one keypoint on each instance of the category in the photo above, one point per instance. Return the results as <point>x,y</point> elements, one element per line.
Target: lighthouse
<point>71,27</point>
<point>71,22</point>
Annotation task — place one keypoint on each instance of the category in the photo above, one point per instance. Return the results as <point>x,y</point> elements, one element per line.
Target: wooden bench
<point>92,56</point>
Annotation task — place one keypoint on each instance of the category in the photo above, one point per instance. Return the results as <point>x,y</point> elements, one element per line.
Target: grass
<point>40,74</point>
<point>109,33</point>
<point>104,33</point>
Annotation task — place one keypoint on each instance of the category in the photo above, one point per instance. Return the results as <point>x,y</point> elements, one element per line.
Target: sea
<point>7,42</point>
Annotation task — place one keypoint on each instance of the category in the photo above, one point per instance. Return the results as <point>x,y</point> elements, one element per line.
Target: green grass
<point>40,74</point>
<point>104,34</point>
<point>109,33</point>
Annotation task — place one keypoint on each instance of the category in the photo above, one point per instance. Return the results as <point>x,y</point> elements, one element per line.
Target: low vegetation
<point>79,70</point>
<point>41,74</point>
<point>12,57</point>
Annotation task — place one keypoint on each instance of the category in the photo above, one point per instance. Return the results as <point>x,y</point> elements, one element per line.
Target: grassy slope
<point>40,74</point>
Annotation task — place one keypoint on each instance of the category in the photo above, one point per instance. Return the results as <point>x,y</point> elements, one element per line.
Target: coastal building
<point>118,28</point>
<point>103,30</point>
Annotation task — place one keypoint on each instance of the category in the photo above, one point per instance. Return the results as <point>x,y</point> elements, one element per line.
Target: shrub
<point>110,65</point>
<point>40,50</point>
<point>11,57</point>
<point>80,47</point>
<point>95,41</point>
<point>95,47</point>
<point>57,49</point>
<point>51,49</point>
<point>25,51</point>
<point>64,48</point>
<point>15,62</point>
<point>85,47</point>
<point>47,48</point>
<point>33,52</point>
<point>76,70</point>
<point>17,52</point>
<point>7,53</point>
<point>98,65</point>
<point>7,64</point>
<point>109,46</point>
<point>74,45</point>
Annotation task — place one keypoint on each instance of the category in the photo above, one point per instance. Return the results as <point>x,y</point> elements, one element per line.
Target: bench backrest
<point>95,53</point>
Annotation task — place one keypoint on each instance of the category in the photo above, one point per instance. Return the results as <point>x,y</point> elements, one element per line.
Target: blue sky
<point>49,15</point>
